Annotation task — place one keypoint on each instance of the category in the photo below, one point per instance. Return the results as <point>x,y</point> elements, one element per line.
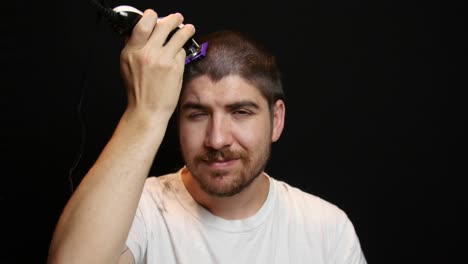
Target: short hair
<point>234,53</point>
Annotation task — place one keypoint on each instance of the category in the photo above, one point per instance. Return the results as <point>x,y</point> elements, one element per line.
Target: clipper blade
<point>196,52</point>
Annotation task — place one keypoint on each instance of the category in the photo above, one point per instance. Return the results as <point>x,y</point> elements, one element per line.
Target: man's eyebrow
<point>193,105</point>
<point>235,105</point>
<point>243,104</point>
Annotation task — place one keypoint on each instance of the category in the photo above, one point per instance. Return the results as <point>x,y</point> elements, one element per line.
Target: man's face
<point>226,130</point>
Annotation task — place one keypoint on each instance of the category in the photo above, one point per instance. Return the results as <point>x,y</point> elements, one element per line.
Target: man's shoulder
<point>300,199</point>
<point>163,179</point>
<point>162,184</point>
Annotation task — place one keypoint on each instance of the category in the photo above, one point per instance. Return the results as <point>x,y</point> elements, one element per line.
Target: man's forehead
<point>229,89</point>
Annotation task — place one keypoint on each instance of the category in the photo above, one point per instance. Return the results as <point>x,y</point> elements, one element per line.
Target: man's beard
<point>250,171</point>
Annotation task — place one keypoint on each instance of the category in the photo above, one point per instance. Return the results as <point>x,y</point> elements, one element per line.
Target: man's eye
<point>196,114</point>
<point>241,113</point>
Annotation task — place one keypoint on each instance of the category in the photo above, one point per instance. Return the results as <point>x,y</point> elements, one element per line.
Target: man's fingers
<point>164,28</point>
<point>143,29</point>
<point>180,56</point>
<point>164,36</point>
<point>180,37</point>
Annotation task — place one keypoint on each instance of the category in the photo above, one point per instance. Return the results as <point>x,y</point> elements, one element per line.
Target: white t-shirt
<point>292,226</point>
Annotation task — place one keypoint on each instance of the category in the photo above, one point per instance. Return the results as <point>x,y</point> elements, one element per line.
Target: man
<point>219,208</point>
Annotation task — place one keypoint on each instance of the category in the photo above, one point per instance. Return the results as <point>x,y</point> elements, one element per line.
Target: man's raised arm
<point>95,222</point>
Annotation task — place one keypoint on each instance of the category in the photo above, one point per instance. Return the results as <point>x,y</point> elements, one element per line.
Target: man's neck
<point>239,206</point>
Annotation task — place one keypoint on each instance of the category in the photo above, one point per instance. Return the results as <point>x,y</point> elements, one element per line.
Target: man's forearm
<point>95,223</point>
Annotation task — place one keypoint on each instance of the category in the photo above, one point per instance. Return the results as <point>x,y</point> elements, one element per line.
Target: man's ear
<point>279,112</point>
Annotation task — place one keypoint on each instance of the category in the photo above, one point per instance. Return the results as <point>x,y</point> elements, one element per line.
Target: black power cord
<point>108,13</point>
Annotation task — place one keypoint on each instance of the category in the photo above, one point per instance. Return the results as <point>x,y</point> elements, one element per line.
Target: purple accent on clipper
<point>198,55</point>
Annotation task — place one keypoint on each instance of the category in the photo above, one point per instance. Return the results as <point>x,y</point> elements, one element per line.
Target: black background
<point>375,112</point>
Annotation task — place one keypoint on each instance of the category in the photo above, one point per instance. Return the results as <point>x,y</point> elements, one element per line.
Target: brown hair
<point>235,53</point>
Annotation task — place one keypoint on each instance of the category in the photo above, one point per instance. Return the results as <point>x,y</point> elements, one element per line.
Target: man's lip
<point>221,163</point>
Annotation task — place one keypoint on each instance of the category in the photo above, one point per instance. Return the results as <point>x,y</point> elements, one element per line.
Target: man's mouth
<point>220,163</point>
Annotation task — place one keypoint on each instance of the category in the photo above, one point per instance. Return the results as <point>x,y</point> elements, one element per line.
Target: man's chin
<point>221,191</point>
<point>220,183</point>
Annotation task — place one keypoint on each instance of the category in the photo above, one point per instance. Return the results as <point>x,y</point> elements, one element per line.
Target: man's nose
<point>218,134</point>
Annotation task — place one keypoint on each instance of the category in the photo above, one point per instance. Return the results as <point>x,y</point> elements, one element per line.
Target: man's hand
<point>152,66</point>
